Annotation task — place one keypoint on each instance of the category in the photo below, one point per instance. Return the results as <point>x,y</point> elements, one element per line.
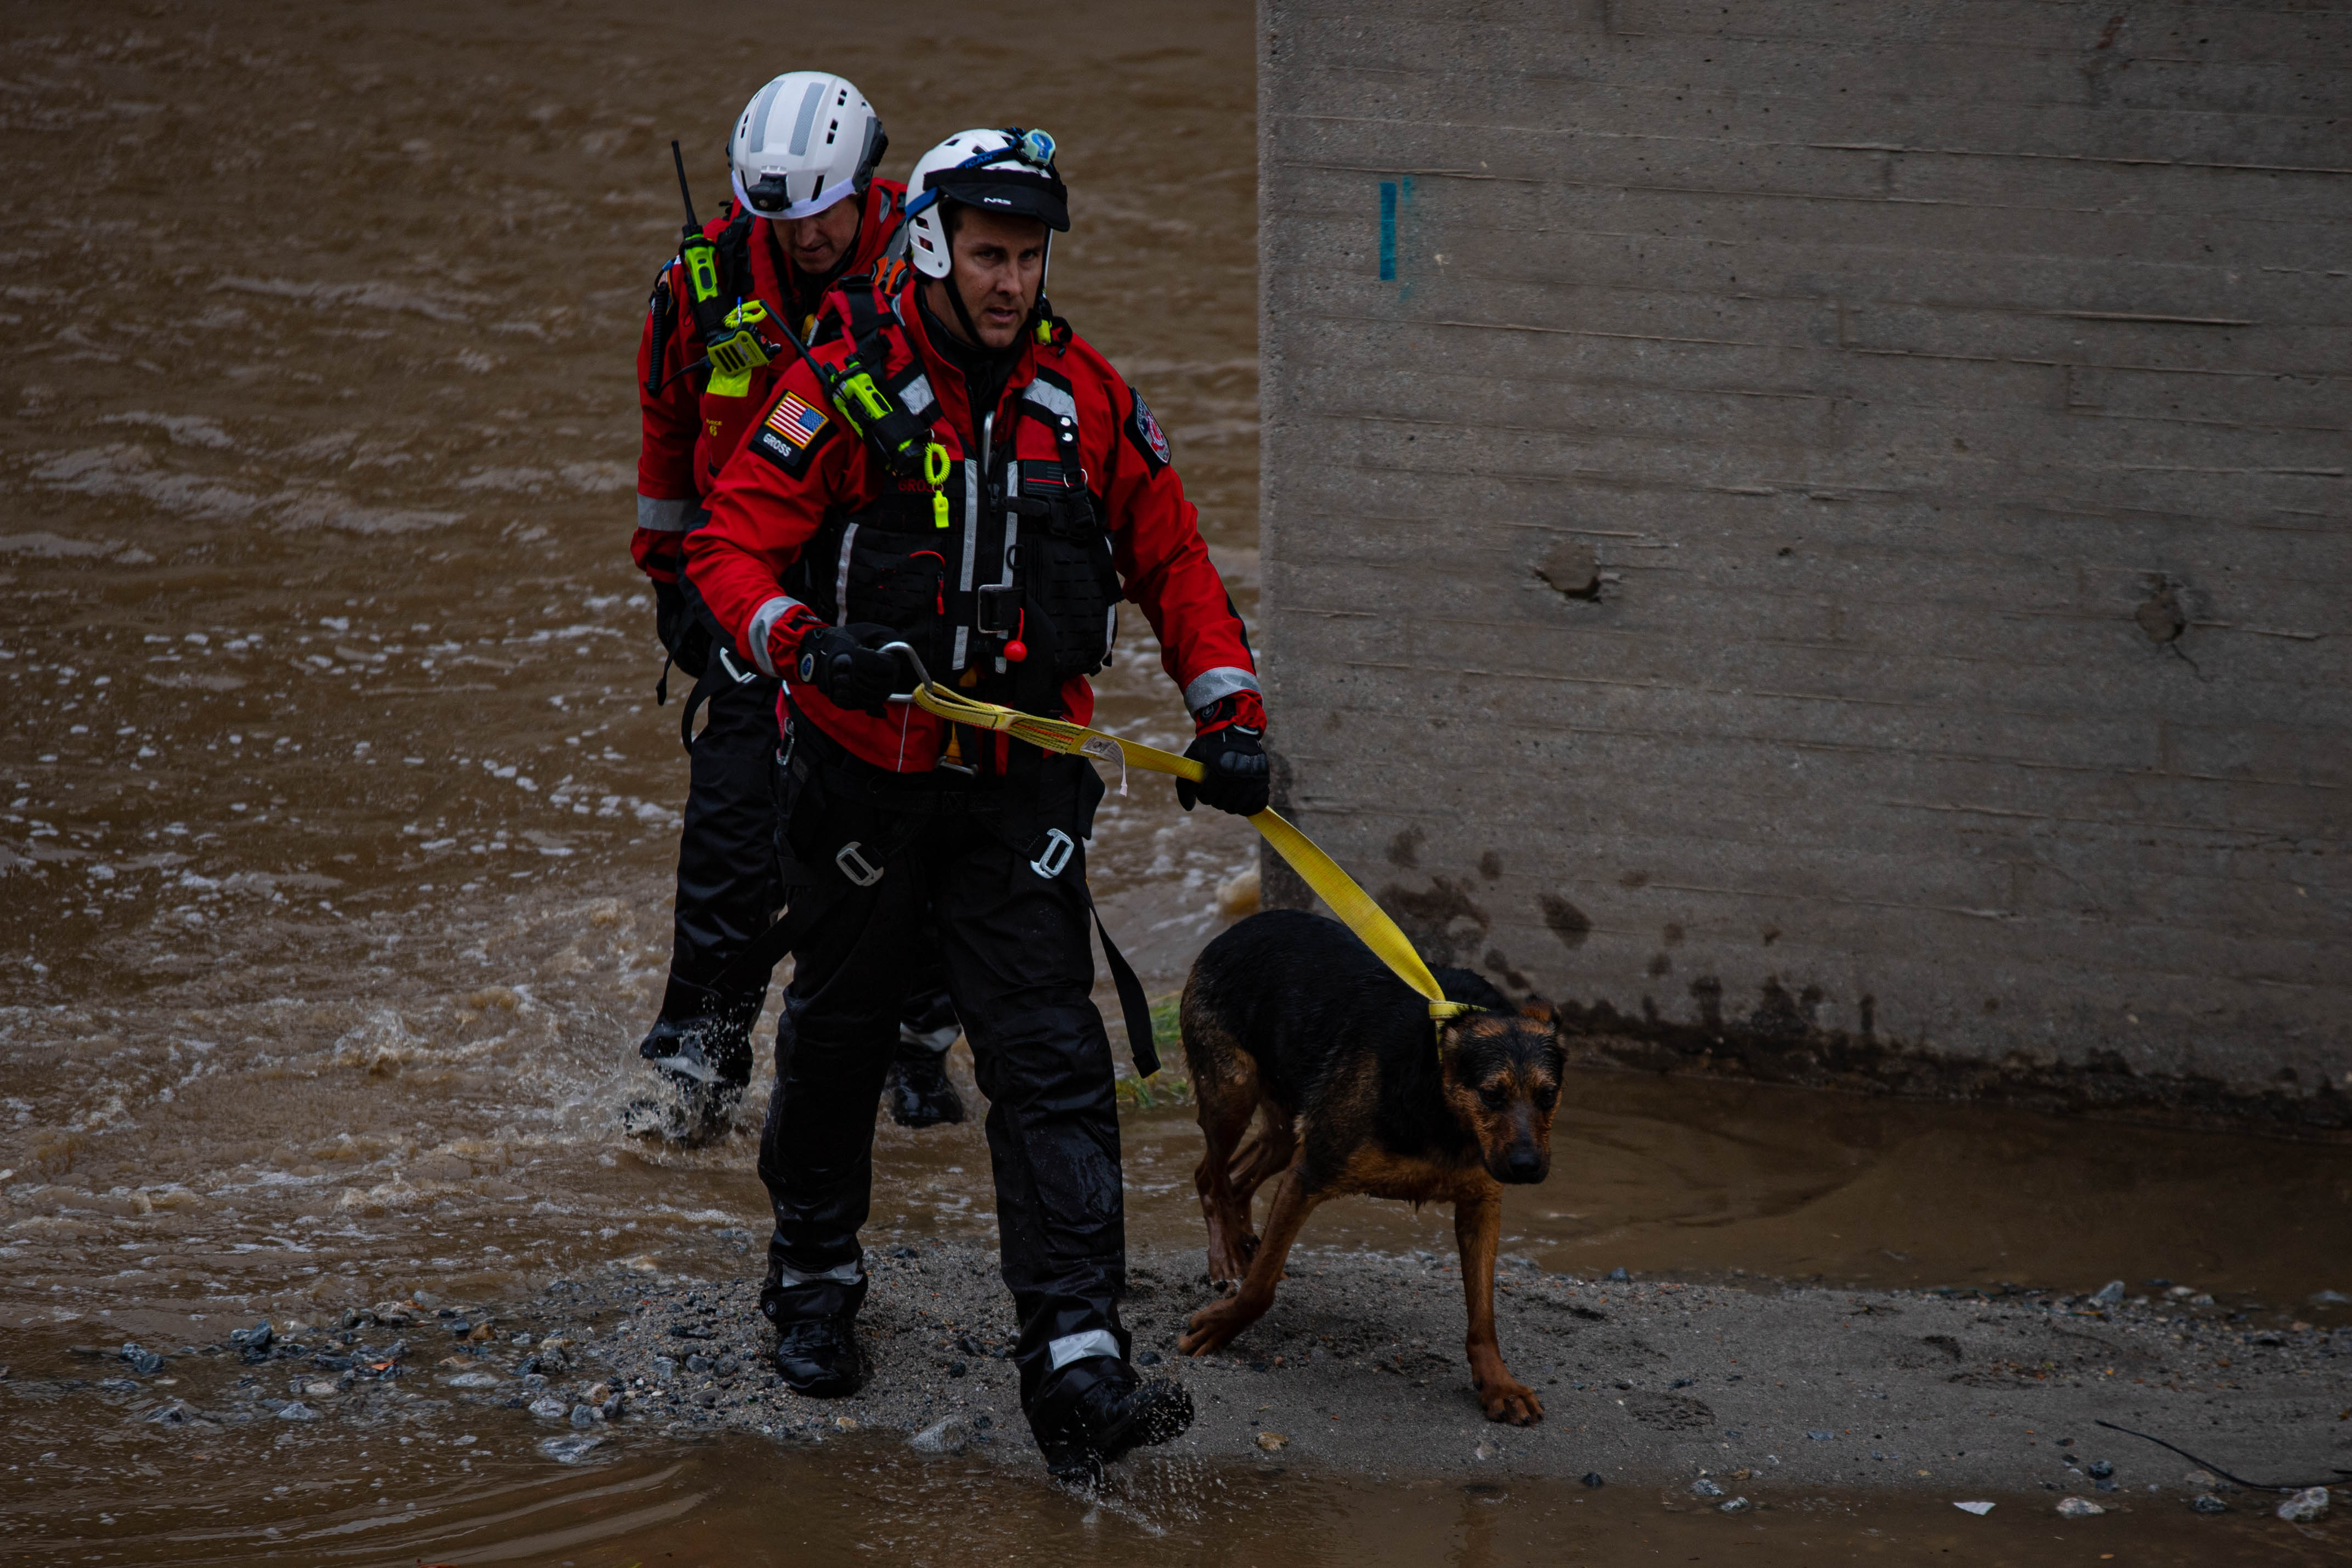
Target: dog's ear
<point>1537,1008</point>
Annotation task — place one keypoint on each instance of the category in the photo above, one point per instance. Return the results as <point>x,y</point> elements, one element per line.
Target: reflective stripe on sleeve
<point>661,517</point>
<point>764,622</point>
<point>1221,681</point>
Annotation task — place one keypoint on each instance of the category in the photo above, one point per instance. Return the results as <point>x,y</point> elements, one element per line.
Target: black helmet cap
<point>1013,190</point>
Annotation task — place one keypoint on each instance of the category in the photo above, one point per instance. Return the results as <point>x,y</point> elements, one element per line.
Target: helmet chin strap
<point>955,297</point>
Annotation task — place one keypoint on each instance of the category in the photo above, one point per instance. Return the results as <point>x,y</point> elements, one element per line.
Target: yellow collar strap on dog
<point>1335,887</point>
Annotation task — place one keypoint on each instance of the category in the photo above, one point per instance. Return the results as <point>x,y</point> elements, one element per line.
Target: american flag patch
<point>796,420</point>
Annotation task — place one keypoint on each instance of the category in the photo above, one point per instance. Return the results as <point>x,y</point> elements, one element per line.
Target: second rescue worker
<point>808,212</point>
<point>1001,560</point>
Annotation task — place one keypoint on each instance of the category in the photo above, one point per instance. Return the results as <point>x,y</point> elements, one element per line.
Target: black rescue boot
<point>820,1356</point>
<point>1092,1411</point>
<point>816,1329</point>
<point>701,1062</point>
<point>922,1094</point>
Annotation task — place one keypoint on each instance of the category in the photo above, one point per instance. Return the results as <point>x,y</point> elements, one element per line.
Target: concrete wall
<point>1828,550</point>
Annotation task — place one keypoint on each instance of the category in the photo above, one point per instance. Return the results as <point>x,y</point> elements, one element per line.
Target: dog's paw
<point>1509,1401</point>
<point>1213,1327</point>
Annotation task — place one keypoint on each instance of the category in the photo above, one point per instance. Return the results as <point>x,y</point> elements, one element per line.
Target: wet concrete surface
<point>338,816</point>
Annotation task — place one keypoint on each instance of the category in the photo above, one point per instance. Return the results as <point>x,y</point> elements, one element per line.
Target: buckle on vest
<point>1059,848</point>
<point>854,866</point>
<point>987,624</point>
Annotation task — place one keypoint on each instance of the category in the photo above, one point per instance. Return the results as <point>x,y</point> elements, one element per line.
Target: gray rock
<point>663,1369</point>
<point>1734,1505</point>
<point>2330,1299</point>
<point>698,1363</point>
<point>611,1408</point>
<point>177,1413</point>
<point>2100,1468</point>
<point>2078,1508</point>
<point>1592,1478</point>
<point>2108,1294</point>
<point>584,1415</point>
<point>1705,1488</point>
<point>1818,1436</point>
<point>570,1449</point>
<point>295,1410</point>
<point>475,1380</point>
<point>2305,1506</point>
<point>1618,1276</point>
<point>548,1408</point>
<point>949,1435</point>
<point>2206,1502</point>
<point>146,1362</point>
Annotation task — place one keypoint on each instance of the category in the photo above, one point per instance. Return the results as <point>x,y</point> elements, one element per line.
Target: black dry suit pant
<point>728,879</point>
<point>995,870</point>
<point>727,882</point>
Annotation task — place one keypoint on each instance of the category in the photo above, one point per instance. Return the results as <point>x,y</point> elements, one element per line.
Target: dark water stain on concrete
<point>1566,921</point>
<point>1444,921</point>
<point>1781,1039</point>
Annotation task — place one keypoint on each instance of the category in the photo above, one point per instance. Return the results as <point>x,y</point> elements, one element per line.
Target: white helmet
<point>1008,171</point>
<point>805,140</point>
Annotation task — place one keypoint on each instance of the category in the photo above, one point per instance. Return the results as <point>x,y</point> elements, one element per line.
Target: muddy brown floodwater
<point>336,813</point>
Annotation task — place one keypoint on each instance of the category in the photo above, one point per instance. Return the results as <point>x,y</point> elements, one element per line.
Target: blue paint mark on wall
<point>1387,230</point>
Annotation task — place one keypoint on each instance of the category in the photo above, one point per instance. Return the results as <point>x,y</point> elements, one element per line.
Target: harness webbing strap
<point>1334,886</point>
<point>1132,1003</point>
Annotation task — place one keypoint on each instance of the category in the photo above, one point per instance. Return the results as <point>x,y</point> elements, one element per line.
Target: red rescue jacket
<point>804,516</point>
<point>688,432</point>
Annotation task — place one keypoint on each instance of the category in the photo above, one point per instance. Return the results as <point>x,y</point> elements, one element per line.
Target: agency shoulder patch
<point>792,433</point>
<point>1145,432</point>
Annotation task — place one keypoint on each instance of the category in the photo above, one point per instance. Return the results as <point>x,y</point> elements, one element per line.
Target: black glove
<point>681,631</point>
<point>1236,776</point>
<point>844,663</point>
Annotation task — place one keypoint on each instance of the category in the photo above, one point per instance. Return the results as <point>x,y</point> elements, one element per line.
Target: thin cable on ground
<point>2341,1475</point>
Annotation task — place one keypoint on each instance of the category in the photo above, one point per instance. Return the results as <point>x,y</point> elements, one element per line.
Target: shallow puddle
<point>403,1500</point>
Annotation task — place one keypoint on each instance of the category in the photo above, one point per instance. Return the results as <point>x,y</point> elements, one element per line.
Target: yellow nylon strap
<point>1334,886</point>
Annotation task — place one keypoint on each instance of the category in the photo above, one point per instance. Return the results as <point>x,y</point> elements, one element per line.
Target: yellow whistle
<point>939,509</point>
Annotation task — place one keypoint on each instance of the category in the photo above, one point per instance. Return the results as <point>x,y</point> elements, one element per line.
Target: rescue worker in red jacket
<point>807,212</point>
<point>1001,562</point>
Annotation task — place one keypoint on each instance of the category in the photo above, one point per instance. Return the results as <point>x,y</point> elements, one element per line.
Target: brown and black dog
<point>1289,1014</point>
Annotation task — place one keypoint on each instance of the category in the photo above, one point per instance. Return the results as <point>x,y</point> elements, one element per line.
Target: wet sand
<point>1359,1366</point>
<point>1842,1418</point>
